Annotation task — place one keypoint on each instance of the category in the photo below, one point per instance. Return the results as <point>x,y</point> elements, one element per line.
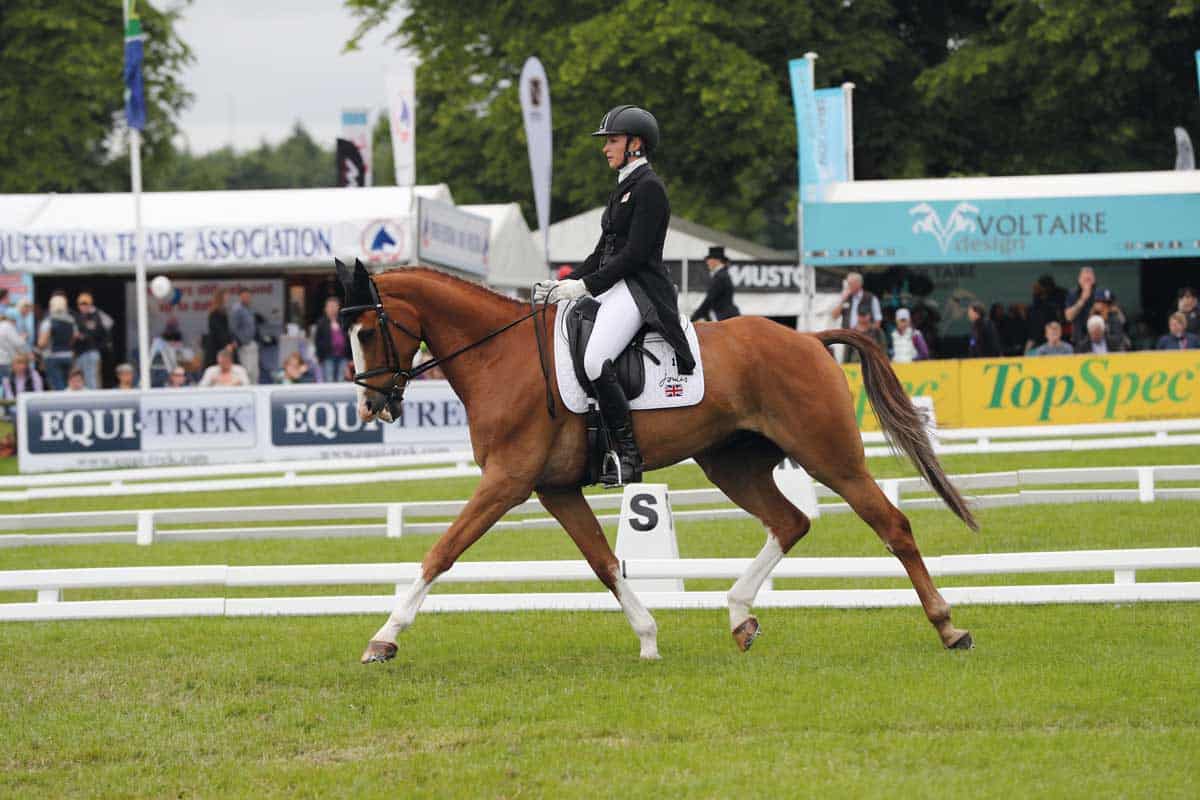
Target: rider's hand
<point>541,290</point>
<point>567,290</point>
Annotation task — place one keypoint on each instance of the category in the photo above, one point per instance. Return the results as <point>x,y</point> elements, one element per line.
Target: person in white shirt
<point>225,372</point>
<point>908,344</point>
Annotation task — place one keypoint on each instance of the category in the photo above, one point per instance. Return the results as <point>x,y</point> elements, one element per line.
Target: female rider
<point>626,275</point>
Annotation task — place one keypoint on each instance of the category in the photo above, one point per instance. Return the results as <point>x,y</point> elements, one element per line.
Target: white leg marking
<point>639,618</point>
<point>741,595</point>
<point>404,614</point>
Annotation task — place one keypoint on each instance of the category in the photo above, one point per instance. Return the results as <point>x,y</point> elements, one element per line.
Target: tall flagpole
<point>135,113</point>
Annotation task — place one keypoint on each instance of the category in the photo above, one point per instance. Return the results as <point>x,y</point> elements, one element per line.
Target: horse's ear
<point>344,275</point>
<point>361,291</point>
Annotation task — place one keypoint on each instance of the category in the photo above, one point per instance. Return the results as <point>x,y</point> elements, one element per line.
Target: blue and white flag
<point>804,99</point>
<point>135,93</point>
<point>832,163</point>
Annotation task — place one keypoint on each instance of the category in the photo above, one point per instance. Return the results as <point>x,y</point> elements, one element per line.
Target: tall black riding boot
<point>614,409</point>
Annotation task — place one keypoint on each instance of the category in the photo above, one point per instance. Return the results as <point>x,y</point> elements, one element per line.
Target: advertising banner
<point>833,145</point>
<point>452,238</point>
<point>104,429</point>
<point>539,135</point>
<point>1003,230</point>
<point>402,117</point>
<point>804,101</point>
<point>1048,390</point>
<point>356,129</point>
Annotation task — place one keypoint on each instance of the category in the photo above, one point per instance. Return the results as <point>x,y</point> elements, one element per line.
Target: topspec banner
<point>105,429</point>
<point>452,238</point>
<point>1048,390</point>
<point>999,230</point>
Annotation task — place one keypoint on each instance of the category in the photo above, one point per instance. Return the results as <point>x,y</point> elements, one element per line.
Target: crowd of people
<point>1086,319</point>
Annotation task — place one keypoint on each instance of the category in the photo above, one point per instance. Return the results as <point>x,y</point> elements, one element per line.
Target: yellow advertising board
<point>936,379</point>
<point>1047,390</point>
<point>1060,390</point>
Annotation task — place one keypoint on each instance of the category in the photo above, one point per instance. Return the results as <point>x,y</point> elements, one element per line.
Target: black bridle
<point>399,375</point>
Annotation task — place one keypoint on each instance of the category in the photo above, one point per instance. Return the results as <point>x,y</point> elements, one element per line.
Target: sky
<point>261,65</point>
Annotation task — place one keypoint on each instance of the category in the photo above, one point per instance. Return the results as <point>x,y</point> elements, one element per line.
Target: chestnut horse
<point>770,393</point>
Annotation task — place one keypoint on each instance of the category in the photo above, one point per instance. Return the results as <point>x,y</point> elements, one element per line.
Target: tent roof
<point>574,238</point>
<point>1021,186</point>
<point>516,261</point>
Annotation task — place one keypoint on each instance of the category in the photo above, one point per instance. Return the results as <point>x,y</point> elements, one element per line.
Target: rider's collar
<point>627,170</point>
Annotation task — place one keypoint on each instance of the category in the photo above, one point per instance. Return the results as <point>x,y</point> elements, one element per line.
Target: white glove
<point>566,290</point>
<point>541,290</point>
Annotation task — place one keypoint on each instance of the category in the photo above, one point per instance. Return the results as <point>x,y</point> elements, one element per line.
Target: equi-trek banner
<point>104,429</point>
<point>1050,390</point>
<point>1003,230</point>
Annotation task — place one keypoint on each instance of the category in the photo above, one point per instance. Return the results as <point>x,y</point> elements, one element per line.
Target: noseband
<point>398,374</point>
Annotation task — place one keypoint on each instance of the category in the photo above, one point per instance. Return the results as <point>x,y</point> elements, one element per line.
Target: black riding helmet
<point>631,121</point>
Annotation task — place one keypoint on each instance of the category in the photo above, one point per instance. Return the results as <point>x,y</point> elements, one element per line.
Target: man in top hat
<point>719,298</point>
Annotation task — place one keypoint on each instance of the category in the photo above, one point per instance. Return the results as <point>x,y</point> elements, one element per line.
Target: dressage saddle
<point>631,369</point>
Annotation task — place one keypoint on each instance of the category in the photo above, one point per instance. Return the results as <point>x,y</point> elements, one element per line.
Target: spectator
<point>1079,305</point>
<point>985,340</point>
<point>854,295</point>
<point>6,308</point>
<point>178,379</point>
<point>219,336</point>
<point>22,378</point>
<point>125,377</point>
<point>11,343</point>
<point>907,342</point>
<point>26,321</point>
<point>95,338</point>
<point>1187,305</point>
<point>75,380</point>
<point>1054,345</point>
<point>166,352</point>
<point>1180,338</point>
<point>295,370</point>
<point>1049,299</point>
<point>1105,307</point>
<point>225,372</point>
<point>245,333</point>
<point>333,347</point>
<point>1097,339</point>
<point>719,297</point>
<point>56,340</point>
<point>420,357</point>
<point>866,325</point>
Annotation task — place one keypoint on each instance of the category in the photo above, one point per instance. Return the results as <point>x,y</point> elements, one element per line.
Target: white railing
<point>1124,564</point>
<point>397,519</point>
<point>387,469</point>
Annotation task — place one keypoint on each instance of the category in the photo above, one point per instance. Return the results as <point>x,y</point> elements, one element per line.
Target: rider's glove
<point>567,290</point>
<point>541,290</point>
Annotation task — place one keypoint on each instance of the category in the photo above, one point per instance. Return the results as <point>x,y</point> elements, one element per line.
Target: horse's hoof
<point>378,651</point>
<point>964,642</point>
<point>746,633</point>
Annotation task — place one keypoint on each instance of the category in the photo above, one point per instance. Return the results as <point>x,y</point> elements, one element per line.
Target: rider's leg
<point>617,322</point>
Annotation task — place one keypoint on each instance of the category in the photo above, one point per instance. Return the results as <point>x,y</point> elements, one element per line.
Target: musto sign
<point>1053,390</point>
<point>81,430</point>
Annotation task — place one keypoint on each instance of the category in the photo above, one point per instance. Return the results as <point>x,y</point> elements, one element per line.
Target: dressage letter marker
<point>797,486</point>
<point>647,530</point>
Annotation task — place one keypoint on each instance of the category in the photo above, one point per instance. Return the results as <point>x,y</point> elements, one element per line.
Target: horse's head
<point>383,341</point>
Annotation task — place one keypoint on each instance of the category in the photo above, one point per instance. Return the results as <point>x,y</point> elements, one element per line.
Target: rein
<point>397,373</point>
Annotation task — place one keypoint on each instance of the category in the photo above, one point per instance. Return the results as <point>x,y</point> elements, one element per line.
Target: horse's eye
<point>366,334</point>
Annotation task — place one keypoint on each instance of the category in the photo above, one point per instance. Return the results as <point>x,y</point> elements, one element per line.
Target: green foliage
<point>62,98</point>
<point>297,161</point>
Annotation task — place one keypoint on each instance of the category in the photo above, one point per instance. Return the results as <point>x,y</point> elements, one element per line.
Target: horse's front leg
<point>496,494</point>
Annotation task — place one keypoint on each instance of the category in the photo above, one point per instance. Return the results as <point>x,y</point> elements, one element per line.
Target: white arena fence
<point>433,466</point>
<point>431,517</point>
<point>1124,564</point>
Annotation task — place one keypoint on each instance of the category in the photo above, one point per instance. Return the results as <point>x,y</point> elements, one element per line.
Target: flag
<point>539,135</point>
<point>351,171</point>
<point>135,94</point>
<point>356,129</point>
<point>402,100</point>
<point>804,98</point>
<point>832,146</point>
<point>1185,157</point>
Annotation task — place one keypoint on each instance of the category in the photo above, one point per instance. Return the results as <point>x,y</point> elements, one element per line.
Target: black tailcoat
<point>719,298</point>
<point>633,229</point>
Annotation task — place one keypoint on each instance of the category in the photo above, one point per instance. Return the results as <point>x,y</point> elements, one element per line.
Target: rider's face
<point>615,147</point>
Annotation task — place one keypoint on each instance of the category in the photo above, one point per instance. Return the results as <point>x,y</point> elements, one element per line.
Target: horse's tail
<point>902,424</point>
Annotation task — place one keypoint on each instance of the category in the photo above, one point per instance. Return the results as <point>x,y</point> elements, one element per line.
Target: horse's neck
<point>454,317</point>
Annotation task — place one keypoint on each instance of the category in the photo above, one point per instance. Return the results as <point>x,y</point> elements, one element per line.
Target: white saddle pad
<point>665,387</point>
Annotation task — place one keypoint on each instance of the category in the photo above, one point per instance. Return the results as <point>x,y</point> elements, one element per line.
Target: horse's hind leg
<point>743,471</point>
<point>892,526</point>
<point>577,518</point>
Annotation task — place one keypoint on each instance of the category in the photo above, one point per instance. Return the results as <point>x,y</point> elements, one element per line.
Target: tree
<point>61,94</point>
<point>296,162</point>
<point>1069,86</point>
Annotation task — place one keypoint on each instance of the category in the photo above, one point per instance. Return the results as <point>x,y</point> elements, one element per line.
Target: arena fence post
<point>1145,484</point>
<point>145,528</point>
<point>395,520</point>
<point>891,490</point>
<point>647,530</point>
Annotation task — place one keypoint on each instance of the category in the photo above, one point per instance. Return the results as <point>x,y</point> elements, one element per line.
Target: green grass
<point>1056,701</point>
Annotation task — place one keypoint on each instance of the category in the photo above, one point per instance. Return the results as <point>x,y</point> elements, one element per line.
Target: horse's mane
<point>455,281</point>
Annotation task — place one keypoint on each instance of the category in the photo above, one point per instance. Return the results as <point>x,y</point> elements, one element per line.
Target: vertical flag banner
<point>805,101</point>
<point>1198,70</point>
<point>401,88</point>
<point>831,135</point>
<point>135,94</point>
<point>535,107</point>
<point>356,129</point>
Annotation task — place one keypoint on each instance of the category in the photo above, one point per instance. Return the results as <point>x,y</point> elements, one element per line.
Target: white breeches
<point>617,322</point>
